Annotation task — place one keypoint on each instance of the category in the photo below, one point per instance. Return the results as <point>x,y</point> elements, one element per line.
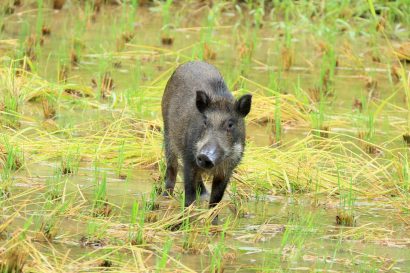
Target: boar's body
<point>203,127</point>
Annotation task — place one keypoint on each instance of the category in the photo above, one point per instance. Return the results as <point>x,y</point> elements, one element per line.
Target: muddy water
<point>380,239</point>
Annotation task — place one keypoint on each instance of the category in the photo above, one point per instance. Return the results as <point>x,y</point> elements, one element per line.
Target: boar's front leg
<point>219,184</point>
<point>191,176</point>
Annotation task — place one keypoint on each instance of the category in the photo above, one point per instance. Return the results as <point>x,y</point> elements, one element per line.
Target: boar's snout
<point>204,161</point>
<point>208,156</point>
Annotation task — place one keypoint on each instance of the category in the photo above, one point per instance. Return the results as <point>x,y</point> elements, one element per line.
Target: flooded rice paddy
<point>324,184</point>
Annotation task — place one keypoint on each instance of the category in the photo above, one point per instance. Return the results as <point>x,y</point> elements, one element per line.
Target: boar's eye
<point>205,121</point>
<point>230,125</point>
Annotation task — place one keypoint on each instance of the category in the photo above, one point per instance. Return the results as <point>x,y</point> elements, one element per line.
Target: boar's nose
<point>204,161</point>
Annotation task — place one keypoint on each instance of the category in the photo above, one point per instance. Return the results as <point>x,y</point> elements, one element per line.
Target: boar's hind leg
<point>200,187</point>
<point>171,172</point>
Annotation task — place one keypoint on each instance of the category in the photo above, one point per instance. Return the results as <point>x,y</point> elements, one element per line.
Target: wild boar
<point>203,127</point>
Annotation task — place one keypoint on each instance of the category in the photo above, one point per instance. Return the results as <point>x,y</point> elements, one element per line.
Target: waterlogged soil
<point>296,233</point>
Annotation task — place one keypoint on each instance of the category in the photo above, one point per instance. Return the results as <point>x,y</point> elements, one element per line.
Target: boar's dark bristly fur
<point>204,128</point>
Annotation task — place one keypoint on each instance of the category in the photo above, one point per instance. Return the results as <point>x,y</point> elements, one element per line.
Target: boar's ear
<point>243,105</point>
<point>202,101</point>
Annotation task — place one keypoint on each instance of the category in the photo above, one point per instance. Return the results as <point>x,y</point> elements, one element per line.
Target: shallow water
<point>255,242</point>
